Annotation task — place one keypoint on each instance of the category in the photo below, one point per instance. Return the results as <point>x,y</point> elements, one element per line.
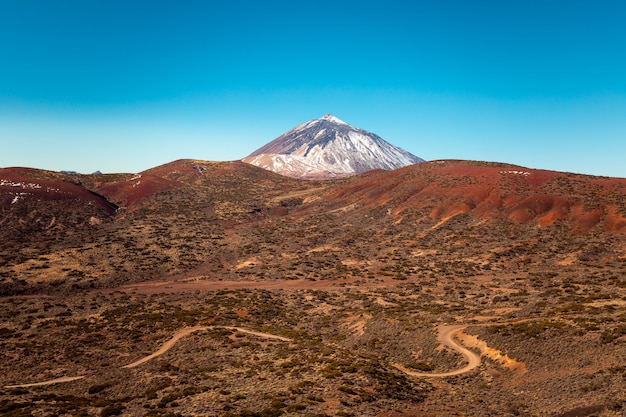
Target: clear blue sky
<point>122,86</point>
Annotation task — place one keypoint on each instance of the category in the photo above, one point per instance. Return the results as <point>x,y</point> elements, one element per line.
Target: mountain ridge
<point>440,189</point>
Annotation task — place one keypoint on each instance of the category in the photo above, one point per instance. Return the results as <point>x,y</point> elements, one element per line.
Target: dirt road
<point>164,348</point>
<point>187,285</point>
<point>49,382</point>
<point>255,333</point>
<point>446,337</point>
<point>188,330</point>
<point>167,345</point>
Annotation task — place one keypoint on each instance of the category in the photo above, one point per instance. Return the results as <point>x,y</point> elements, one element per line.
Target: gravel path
<point>445,336</point>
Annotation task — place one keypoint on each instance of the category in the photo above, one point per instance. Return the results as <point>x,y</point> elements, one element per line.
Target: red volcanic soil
<point>184,173</point>
<point>135,189</point>
<point>444,189</point>
<point>439,190</point>
<point>26,184</point>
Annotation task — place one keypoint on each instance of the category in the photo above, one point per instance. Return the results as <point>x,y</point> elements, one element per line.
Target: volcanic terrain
<point>223,289</point>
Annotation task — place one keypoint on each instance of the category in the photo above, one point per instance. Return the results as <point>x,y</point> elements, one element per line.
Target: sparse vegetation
<point>358,273</point>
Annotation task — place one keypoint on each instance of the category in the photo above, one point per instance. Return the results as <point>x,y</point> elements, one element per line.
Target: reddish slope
<point>139,187</point>
<point>444,189</point>
<point>18,185</point>
<point>129,192</point>
<point>134,191</point>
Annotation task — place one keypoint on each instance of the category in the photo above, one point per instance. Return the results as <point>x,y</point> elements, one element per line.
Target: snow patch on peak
<point>333,119</point>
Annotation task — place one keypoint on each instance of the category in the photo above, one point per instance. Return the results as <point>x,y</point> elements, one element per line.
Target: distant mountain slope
<point>329,148</point>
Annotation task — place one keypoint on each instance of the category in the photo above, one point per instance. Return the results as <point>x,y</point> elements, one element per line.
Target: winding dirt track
<point>164,348</point>
<point>167,345</point>
<point>188,330</point>
<point>445,336</point>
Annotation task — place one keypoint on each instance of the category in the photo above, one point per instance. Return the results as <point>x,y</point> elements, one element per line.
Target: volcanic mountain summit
<point>329,148</point>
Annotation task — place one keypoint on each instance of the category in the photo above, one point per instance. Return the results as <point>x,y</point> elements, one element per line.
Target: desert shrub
<point>161,413</point>
<point>170,398</point>
<point>94,389</point>
<point>296,407</point>
<point>529,329</point>
<point>421,366</point>
<point>9,408</point>
<point>611,335</point>
<point>5,333</point>
<point>112,410</point>
<point>347,390</point>
<point>269,412</point>
<point>393,385</point>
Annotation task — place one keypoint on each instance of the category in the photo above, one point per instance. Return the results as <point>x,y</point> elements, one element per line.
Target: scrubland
<point>357,273</point>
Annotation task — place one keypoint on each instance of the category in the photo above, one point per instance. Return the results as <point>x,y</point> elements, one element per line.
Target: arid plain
<point>220,289</point>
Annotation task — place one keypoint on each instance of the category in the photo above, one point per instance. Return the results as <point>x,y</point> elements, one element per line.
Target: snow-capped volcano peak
<point>329,148</point>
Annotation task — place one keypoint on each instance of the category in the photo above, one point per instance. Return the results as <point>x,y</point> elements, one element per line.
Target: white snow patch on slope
<point>333,119</point>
